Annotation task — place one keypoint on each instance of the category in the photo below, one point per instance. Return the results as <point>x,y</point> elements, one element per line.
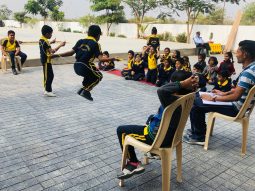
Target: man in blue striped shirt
<point>245,81</point>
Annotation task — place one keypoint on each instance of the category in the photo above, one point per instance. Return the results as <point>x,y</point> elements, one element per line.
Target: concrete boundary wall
<point>220,32</point>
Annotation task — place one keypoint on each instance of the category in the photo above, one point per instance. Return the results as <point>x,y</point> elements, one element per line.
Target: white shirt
<point>198,40</point>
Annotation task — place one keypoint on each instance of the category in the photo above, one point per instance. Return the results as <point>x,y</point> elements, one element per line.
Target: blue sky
<point>78,8</point>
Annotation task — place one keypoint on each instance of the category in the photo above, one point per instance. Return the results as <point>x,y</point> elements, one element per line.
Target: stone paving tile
<point>68,143</point>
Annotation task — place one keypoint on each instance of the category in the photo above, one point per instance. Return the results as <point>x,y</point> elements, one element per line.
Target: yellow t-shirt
<point>152,62</point>
<point>8,46</point>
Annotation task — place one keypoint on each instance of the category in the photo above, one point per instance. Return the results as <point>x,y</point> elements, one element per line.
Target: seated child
<point>106,65</point>
<point>201,61</point>
<point>223,82</point>
<point>145,53</point>
<point>137,71</point>
<point>126,71</point>
<point>164,73</point>
<point>227,64</point>
<point>10,47</point>
<point>210,71</point>
<point>152,66</point>
<point>146,133</point>
<point>179,63</point>
<point>197,70</point>
<point>166,55</point>
<point>186,65</point>
<point>176,55</point>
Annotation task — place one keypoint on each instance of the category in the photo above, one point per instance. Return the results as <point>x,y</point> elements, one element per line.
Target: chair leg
<point>179,161</point>
<point>123,162</point>
<point>4,64</point>
<point>245,126</point>
<point>145,160</point>
<point>210,124</point>
<point>166,161</point>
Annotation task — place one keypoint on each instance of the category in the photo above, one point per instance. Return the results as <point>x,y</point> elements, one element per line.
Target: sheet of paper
<point>212,102</point>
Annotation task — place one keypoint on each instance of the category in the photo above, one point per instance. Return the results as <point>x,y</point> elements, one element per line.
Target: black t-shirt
<point>86,50</point>
<point>44,51</point>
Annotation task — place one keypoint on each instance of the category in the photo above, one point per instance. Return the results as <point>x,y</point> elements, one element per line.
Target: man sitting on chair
<point>200,43</point>
<point>10,47</point>
<point>246,80</point>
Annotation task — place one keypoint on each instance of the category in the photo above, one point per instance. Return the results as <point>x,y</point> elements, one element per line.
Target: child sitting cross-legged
<point>165,72</point>
<point>126,71</point>
<point>137,70</point>
<point>106,65</point>
<point>223,82</point>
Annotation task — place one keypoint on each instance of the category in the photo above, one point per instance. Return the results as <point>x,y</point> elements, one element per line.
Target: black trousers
<point>205,45</point>
<point>152,75</point>
<point>22,55</point>
<point>91,75</point>
<point>139,132</point>
<point>48,76</point>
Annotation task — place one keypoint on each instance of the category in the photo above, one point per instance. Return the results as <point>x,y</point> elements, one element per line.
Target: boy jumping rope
<point>86,51</point>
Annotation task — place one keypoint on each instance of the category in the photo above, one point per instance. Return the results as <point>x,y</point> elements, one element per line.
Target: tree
<point>57,15</point>
<point>42,7</point>
<point>5,13</point>
<point>213,18</point>
<point>139,9</point>
<point>224,5</point>
<point>21,17</point>
<point>113,12</point>
<point>249,15</point>
<point>87,20</point>
<point>192,8</point>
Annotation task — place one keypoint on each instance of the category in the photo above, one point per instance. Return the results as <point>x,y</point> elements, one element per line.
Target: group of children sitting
<point>161,74</point>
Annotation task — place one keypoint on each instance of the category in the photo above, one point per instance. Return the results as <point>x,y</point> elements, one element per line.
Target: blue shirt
<point>246,80</point>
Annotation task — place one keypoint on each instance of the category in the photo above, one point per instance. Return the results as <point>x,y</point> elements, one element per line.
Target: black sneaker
<point>131,170</point>
<point>14,71</point>
<point>79,91</point>
<point>86,94</point>
<point>190,140</point>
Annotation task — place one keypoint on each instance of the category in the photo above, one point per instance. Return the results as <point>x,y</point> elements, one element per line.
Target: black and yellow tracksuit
<point>86,51</point>
<point>153,41</point>
<point>126,71</point>
<point>45,56</point>
<point>164,75</point>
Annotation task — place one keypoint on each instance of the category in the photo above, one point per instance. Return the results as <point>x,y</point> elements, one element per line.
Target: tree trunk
<point>188,33</point>
<point>137,30</point>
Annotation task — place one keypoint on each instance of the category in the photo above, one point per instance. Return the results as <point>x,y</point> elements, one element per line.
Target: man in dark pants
<point>11,48</point>
<point>201,44</point>
<point>147,133</point>
<point>236,96</point>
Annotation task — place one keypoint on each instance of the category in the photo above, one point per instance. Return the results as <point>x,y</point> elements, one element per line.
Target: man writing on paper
<point>245,81</point>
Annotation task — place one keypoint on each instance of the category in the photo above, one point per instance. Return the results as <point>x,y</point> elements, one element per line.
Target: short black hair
<point>202,55</point>
<point>131,52</point>
<point>178,53</point>
<point>224,73</point>
<point>248,46</point>
<point>154,30</point>
<point>180,75</point>
<point>94,30</point>
<point>10,32</point>
<point>215,60</point>
<point>181,60</point>
<point>138,54</point>
<point>167,49</point>
<point>46,30</point>
<point>106,53</point>
<point>198,67</point>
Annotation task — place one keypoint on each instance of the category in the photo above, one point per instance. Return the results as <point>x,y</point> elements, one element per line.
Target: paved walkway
<point>68,143</point>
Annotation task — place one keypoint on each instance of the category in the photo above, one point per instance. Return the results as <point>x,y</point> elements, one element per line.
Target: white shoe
<point>49,94</point>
